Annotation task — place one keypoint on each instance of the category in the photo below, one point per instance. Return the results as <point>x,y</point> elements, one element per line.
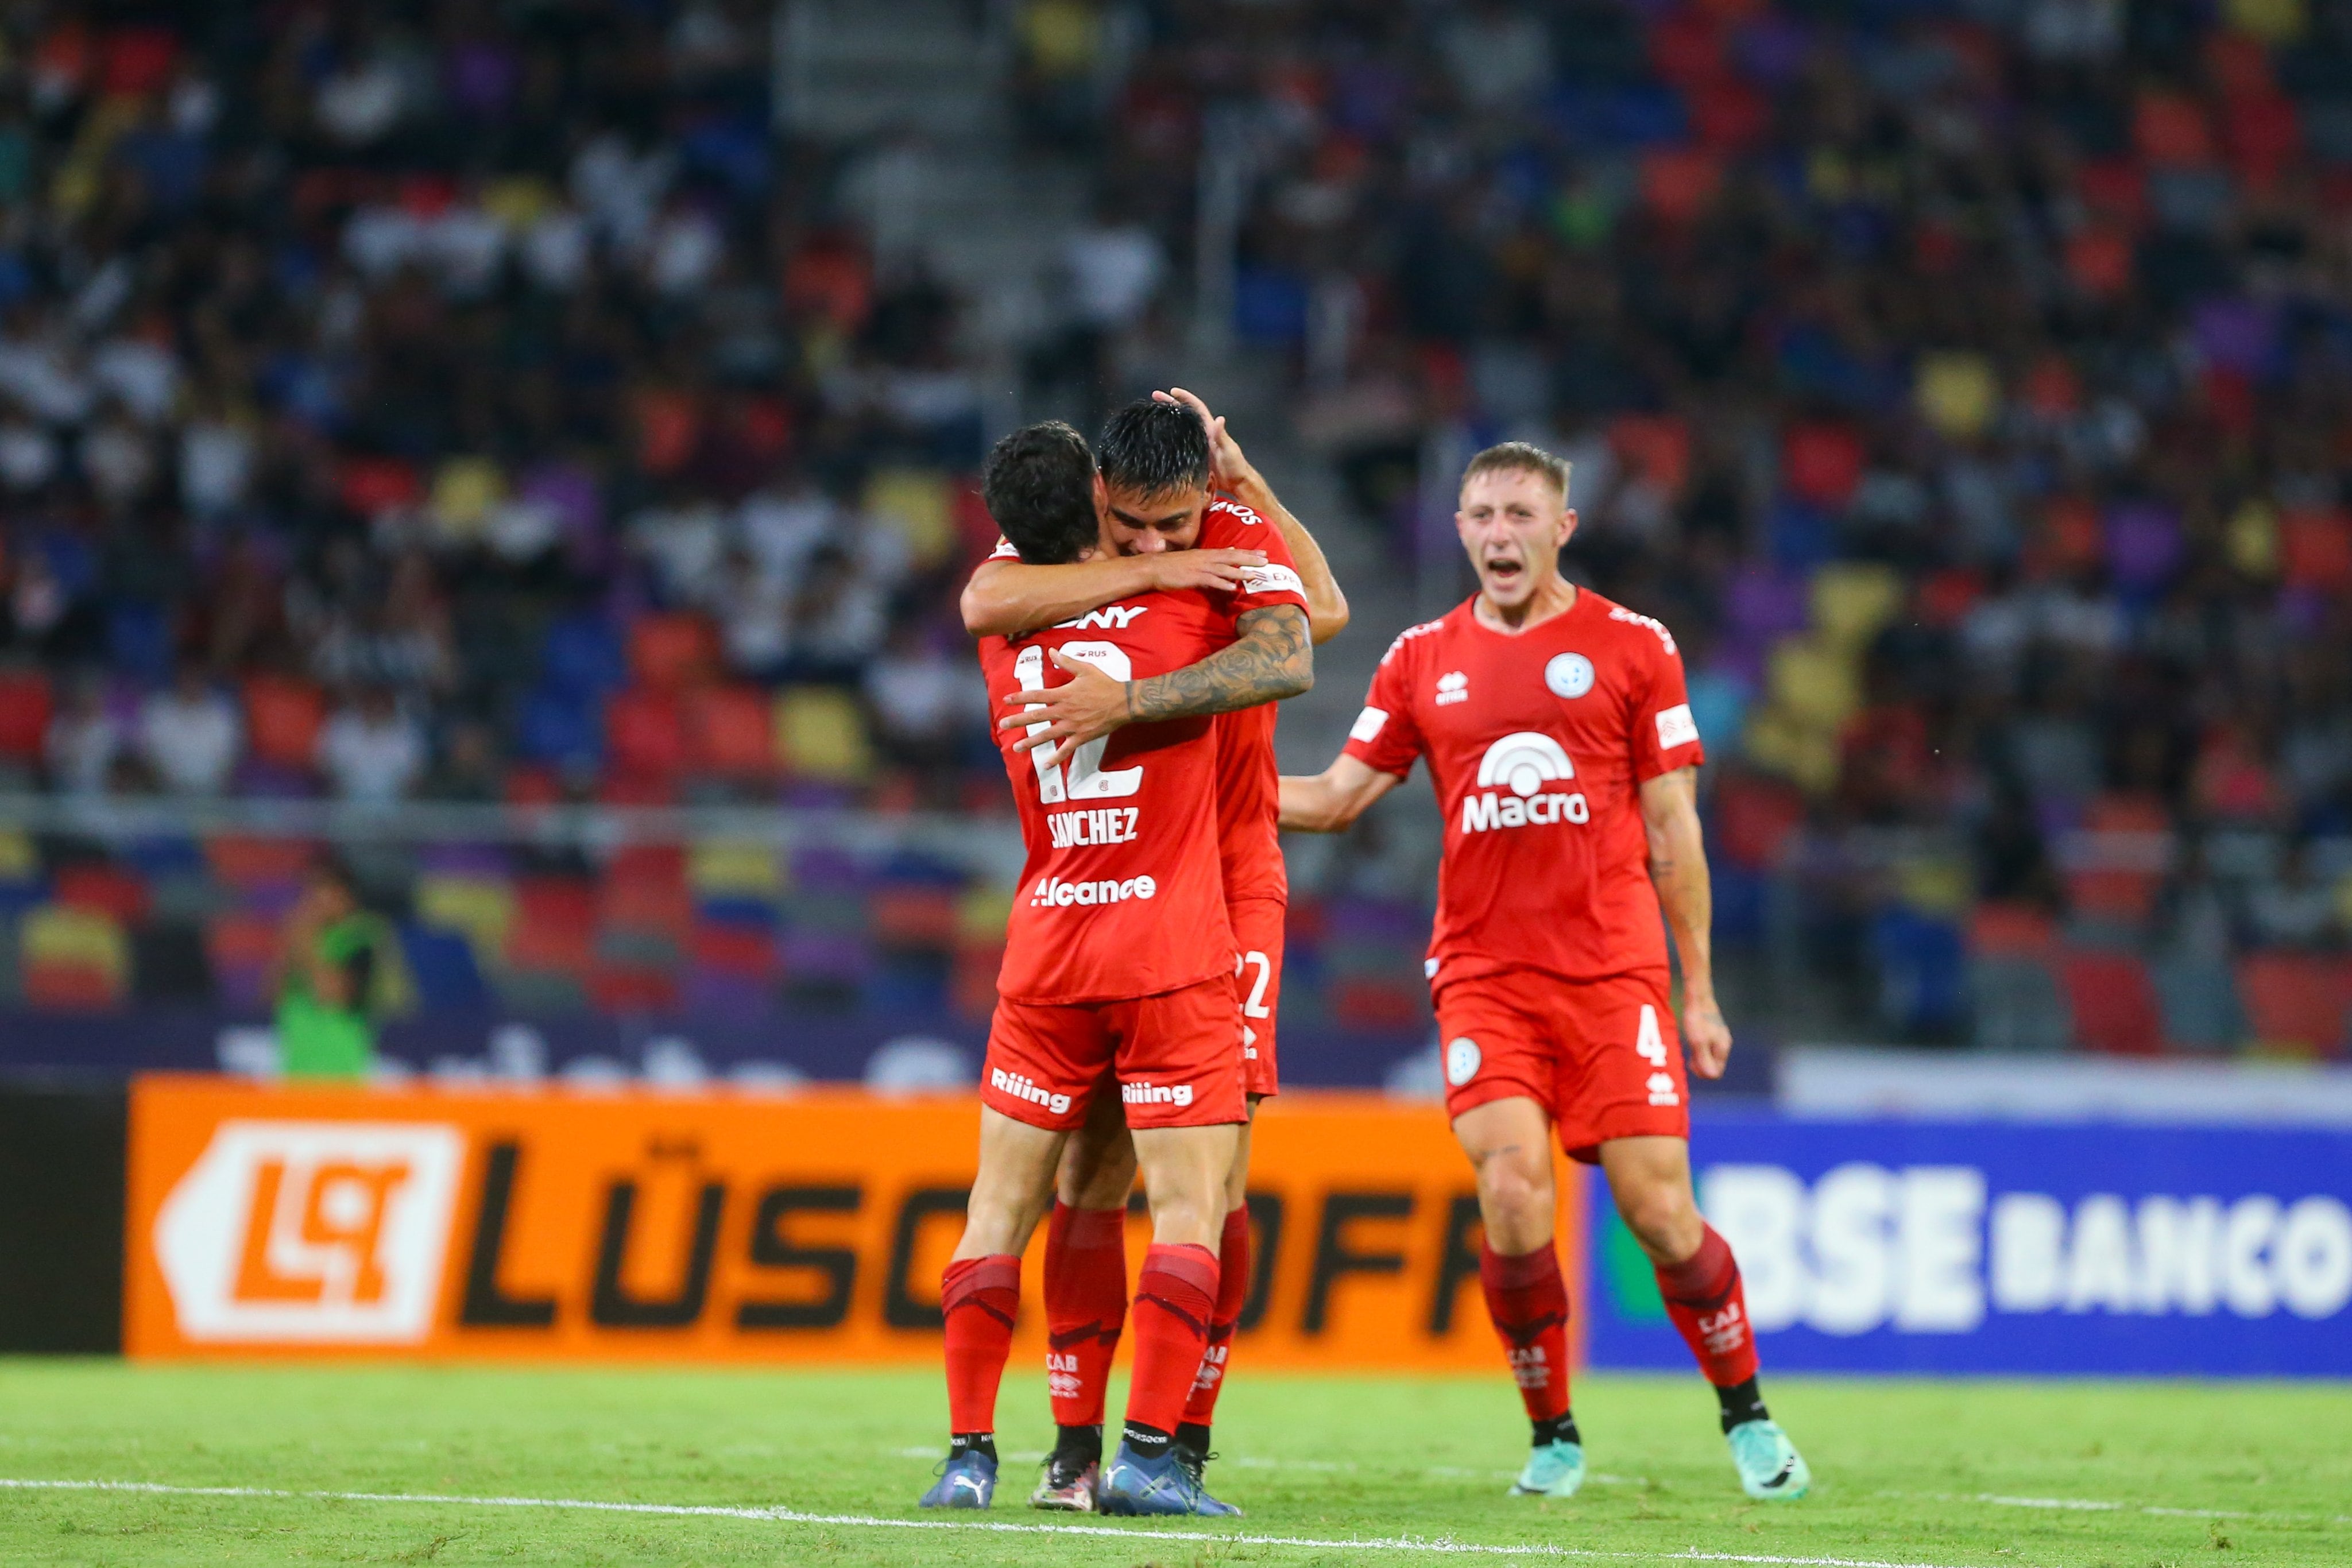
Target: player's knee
<point>1516,1190</point>
<point>1663,1217</point>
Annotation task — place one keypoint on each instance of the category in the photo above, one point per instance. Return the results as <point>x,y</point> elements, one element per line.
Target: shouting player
<point>1182,507</point>
<point>1118,969</point>
<point>1563,755</point>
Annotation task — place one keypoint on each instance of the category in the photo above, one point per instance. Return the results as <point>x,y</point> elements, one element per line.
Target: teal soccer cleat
<point>1770,1468</point>
<point>966,1481</point>
<point>1136,1484</point>
<point>1554,1469</point>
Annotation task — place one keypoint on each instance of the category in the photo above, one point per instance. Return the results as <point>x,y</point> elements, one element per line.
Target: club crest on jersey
<point>1522,764</point>
<point>1569,675</point>
<point>1462,1061</point>
<point>1453,686</point>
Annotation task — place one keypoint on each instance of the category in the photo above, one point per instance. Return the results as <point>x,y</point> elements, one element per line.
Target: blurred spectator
<point>924,701</point>
<point>333,978</point>
<point>83,742</point>
<point>190,735</point>
<point>371,751</point>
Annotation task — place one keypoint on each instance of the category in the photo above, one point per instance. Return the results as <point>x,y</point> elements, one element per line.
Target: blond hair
<point>1521,457</point>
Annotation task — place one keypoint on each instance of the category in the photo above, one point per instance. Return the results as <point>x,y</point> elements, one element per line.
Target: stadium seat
<point>644,733</point>
<point>241,947</point>
<point>914,917</point>
<point>731,734</point>
<point>168,963</point>
<point>1922,971</point>
<point>441,965</point>
<point>561,728</point>
<point>2114,1004</point>
<point>2200,998</point>
<point>2121,887</point>
<point>672,650</point>
<point>108,889</point>
<point>1820,463</point>
<point>2016,1005</point>
<point>821,734</point>
<point>734,868</point>
<point>631,988</point>
<point>731,947</point>
<point>639,904</point>
<point>369,485</point>
<point>1851,603</point>
<point>2296,1001</point>
<point>919,504</point>
<point>555,926</point>
<point>1814,680</point>
<point>26,706</point>
<point>246,861</point>
<point>282,720</point>
<point>583,655</point>
<point>480,909</point>
<point>72,959</point>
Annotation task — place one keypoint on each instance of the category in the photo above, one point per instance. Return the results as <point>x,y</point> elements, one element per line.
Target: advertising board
<point>635,1226</point>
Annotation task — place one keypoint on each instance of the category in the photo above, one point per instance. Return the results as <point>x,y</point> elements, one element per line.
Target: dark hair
<point>1039,485</point>
<point>1521,457</point>
<point>1151,448</point>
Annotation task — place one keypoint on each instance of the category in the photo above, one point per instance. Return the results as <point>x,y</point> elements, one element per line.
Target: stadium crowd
<point>487,403</point>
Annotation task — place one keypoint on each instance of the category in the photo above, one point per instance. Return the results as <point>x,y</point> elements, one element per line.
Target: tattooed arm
<point>1272,660</point>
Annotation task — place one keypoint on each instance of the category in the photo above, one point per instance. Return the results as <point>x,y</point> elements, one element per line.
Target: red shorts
<point>1603,1056</point>
<point>1258,976</point>
<point>1174,1055</point>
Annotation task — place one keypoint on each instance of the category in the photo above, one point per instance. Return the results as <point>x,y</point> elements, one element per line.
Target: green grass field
<point>1930,1473</point>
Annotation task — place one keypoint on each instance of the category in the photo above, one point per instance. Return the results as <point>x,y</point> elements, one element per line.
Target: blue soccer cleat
<point>1770,1468</point>
<point>1554,1469</point>
<point>1167,1484</point>
<point>966,1481</point>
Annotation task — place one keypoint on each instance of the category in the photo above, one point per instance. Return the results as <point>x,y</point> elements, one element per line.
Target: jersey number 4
<point>1084,779</point>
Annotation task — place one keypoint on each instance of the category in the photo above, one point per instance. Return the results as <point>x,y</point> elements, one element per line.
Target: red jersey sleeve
<point>1230,525</point>
<point>1385,736</point>
<point>1663,734</point>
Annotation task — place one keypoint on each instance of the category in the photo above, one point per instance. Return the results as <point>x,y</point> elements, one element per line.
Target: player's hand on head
<point>1212,569</point>
<point>1226,463</point>
<point>1705,1036</point>
<point>1087,706</point>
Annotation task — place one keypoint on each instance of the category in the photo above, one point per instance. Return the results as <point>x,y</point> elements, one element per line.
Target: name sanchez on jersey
<point>1104,825</point>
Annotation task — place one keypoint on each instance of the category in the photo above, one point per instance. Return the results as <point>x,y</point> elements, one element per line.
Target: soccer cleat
<point>1770,1468</point>
<point>966,1481</point>
<point>1135,1485</point>
<point>1068,1485</point>
<point>1555,1470</point>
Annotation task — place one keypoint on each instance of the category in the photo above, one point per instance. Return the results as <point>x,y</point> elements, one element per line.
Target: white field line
<point>2089,1505</point>
<point>870,1521</point>
<point>1251,1462</point>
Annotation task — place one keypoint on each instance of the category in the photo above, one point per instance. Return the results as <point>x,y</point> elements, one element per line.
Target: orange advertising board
<point>545,1223</point>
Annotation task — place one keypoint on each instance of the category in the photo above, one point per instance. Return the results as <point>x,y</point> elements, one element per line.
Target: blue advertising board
<point>2058,1249</point>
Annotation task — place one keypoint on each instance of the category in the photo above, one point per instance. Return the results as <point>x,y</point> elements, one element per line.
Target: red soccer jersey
<point>1247,803</point>
<point>1122,894</point>
<point>1537,745</point>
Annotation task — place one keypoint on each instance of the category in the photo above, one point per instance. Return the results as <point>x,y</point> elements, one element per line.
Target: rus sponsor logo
<point>1052,892</point>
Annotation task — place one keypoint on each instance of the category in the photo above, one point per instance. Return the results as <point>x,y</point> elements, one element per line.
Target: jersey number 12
<point>1084,779</point>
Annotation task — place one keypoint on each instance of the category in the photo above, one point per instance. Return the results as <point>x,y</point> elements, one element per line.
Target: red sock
<point>1086,1307</point>
<point>1233,1289</point>
<point>1528,1302</point>
<point>979,1297</point>
<point>1175,1297</point>
<point>1705,1299</point>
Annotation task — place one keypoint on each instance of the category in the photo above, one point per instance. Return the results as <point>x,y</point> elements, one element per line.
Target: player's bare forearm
<point>1007,597</point>
<point>1331,800</point>
<point>1272,660</point>
<point>1326,607</point>
<point>1678,869</point>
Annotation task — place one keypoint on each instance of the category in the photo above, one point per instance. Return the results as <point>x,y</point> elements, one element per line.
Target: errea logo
<point>1453,687</point>
<point>1523,763</point>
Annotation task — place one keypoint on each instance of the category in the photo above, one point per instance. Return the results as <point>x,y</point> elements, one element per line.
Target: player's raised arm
<point>1008,597</point>
<point>1326,607</point>
<point>1678,868</point>
<point>1331,800</point>
<point>1272,660</point>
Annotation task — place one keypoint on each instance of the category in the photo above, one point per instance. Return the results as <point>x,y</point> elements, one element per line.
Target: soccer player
<point>1561,748</point>
<point>1118,967</point>
<point>1184,507</point>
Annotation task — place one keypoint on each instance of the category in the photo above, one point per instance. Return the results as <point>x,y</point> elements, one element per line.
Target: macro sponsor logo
<point>1927,1249</point>
<point>1052,892</point>
<point>1522,764</point>
<point>312,1232</point>
<point>1079,830</point>
<point>1022,1087</point>
<point>1141,1092</point>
